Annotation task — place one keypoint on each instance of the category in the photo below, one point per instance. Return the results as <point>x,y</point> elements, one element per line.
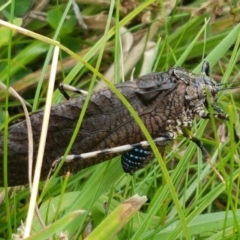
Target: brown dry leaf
<point>215,7</point>
<point>98,21</point>
<point>148,56</point>
<point>133,52</point>
<point>146,17</point>
<point>128,5</point>
<point>127,42</point>
<point>169,5</point>
<point>221,132</point>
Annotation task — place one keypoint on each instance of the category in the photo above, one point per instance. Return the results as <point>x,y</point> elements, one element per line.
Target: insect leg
<point>205,153</point>
<point>64,87</point>
<point>141,145</point>
<point>200,145</point>
<point>221,115</point>
<point>218,113</point>
<point>187,134</point>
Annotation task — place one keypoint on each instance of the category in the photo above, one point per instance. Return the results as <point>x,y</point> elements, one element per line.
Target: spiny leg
<point>124,148</point>
<point>223,116</point>
<point>64,87</point>
<point>205,153</point>
<point>218,113</point>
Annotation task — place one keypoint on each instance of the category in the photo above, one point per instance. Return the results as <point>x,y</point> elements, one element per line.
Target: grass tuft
<point>186,199</point>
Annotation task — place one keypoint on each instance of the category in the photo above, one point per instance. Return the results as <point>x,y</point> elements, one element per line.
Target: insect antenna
<point>229,88</point>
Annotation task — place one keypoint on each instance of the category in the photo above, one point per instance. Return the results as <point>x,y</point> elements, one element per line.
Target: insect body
<point>167,103</point>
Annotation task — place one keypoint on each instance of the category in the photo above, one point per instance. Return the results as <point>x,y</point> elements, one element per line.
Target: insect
<point>166,102</point>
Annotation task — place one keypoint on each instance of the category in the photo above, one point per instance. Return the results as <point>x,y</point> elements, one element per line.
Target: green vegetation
<point>186,199</point>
